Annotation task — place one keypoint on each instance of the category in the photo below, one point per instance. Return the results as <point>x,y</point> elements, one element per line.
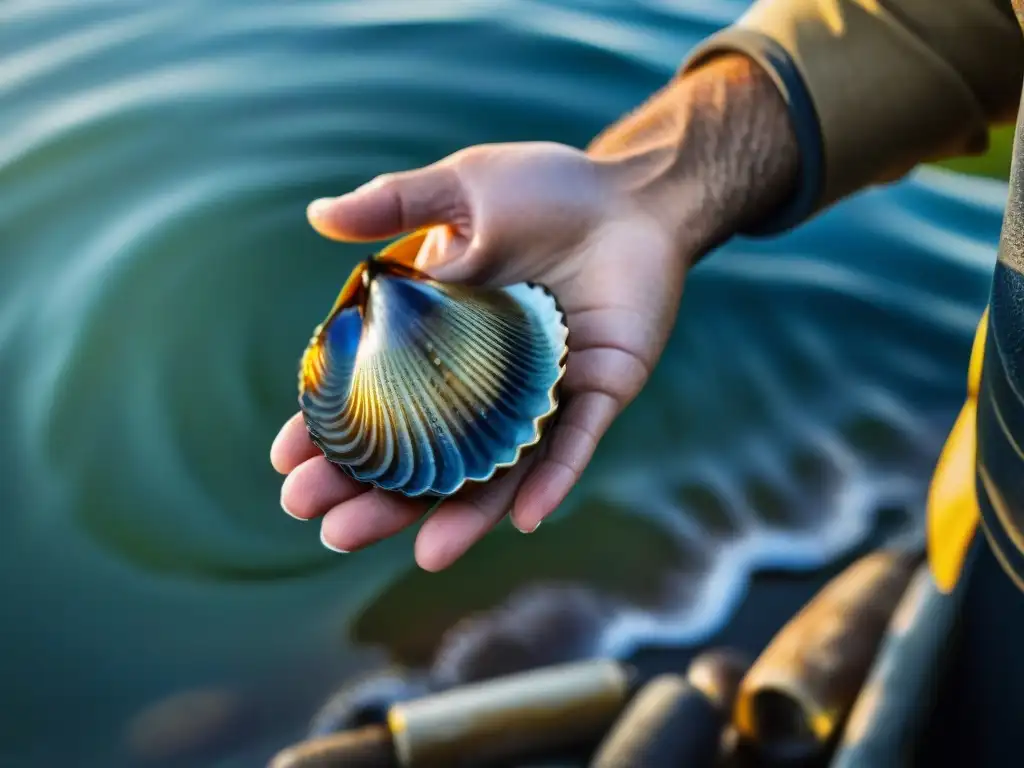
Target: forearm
<point>891,84</point>
<point>801,103</point>
<point>709,155</point>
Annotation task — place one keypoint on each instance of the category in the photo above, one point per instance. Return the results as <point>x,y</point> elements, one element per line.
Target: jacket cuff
<point>776,61</point>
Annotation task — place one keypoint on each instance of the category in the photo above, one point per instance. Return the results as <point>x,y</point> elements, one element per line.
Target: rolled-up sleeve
<point>875,87</point>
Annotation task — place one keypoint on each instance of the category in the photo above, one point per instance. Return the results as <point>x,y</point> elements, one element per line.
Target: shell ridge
<point>423,454</point>
<point>411,438</point>
<point>475,323</point>
<point>370,408</point>
<point>510,374</point>
<point>337,342</point>
<point>326,375</point>
<point>492,331</point>
<point>446,453</point>
<point>461,407</point>
<point>393,465</point>
<point>479,372</point>
<point>496,369</point>
<point>542,304</point>
<point>501,404</point>
<point>557,315</point>
<point>332,396</point>
<point>493,415</point>
<point>464,421</point>
<point>455,417</point>
<point>519,329</point>
<point>369,392</point>
<point>348,443</point>
<point>448,464</point>
<point>380,457</point>
<point>356,410</point>
<point>427,386</point>
<point>522,361</point>
<point>388,406</point>
<point>313,407</point>
<point>486,307</point>
<point>483,378</point>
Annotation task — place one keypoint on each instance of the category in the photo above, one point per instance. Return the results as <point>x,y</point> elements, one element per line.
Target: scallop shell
<point>419,386</point>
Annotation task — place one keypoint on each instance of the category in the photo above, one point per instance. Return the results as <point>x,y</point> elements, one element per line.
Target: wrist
<point>712,153</point>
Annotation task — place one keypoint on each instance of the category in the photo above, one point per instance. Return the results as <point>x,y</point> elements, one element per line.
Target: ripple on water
<point>172,308</point>
<point>158,282</point>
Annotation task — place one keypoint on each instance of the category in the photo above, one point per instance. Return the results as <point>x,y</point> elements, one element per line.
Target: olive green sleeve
<point>887,84</point>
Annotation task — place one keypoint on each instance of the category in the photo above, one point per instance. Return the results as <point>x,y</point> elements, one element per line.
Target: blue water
<point>158,282</point>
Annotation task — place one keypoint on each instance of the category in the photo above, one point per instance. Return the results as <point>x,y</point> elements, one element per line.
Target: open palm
<point>503,214</point>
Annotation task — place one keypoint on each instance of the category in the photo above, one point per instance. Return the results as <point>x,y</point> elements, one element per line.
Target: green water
<point>158,282</point>
<point>995,163</point>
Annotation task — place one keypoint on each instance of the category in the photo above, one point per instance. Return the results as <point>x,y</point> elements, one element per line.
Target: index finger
<point>292,445</point>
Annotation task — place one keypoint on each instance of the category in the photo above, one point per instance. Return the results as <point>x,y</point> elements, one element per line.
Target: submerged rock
<point>536,627</point>
<point>800,690</point>
<point>366,747</point>
<point>677,720</point>
<point>366,700</point>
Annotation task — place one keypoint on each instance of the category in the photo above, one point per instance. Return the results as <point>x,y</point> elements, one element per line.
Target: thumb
<point>392,204</point>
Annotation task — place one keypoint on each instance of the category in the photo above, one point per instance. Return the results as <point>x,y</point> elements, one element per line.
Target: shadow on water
<point>158,281</point>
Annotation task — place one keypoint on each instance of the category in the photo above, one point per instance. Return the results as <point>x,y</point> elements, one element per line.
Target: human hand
<point>611,232</point>
<point>503,214</point>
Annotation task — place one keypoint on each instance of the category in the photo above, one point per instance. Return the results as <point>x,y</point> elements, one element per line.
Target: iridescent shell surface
<point>418,386</point>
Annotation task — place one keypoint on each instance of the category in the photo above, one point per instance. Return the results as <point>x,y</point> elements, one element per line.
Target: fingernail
<point>318,208</point>
<point>290,513</point>
<point>526,530</point>
<point>331,546</point>
<point>433,249</point>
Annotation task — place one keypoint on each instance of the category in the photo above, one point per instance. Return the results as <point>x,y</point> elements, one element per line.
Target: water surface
<point>158,282</point>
